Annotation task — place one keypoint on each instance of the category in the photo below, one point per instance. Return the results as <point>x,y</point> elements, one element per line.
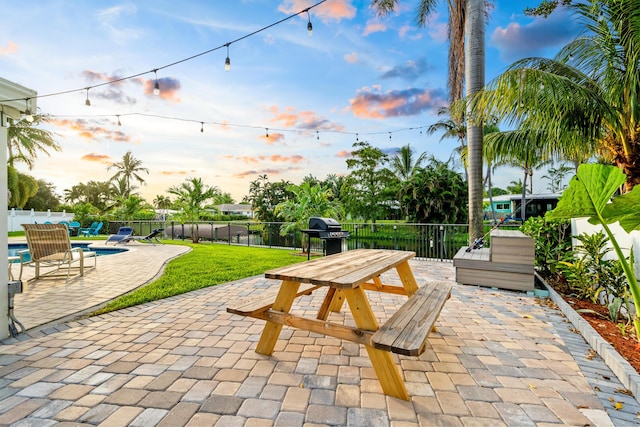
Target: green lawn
<point>206,265</point>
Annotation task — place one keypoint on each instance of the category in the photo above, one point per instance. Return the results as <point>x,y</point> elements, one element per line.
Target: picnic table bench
<point>346,276</point>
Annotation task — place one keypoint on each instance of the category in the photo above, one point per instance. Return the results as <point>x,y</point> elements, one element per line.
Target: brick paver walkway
<point>497,359</point>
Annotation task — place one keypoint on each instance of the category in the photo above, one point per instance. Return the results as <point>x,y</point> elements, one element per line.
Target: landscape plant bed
<point>606,339</point>
<point>623,339</point>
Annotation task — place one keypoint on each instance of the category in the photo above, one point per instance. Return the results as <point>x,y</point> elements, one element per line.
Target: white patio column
<point>15,101</point>
<point>4,230</point>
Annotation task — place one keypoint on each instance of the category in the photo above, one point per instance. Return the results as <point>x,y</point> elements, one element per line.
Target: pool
<point>14,248</point>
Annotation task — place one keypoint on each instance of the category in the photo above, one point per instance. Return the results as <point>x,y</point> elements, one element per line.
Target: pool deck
<point>499,358</point>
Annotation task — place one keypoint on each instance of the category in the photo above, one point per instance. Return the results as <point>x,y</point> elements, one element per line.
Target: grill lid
<point>324,224</point>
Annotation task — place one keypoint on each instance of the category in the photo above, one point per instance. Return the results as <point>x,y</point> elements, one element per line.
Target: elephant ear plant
<point>588,195</point>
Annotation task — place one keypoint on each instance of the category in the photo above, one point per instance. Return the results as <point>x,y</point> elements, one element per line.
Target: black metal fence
<point>428,241</point>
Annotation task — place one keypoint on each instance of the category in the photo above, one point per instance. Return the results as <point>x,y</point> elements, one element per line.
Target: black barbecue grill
<point>329,231</point>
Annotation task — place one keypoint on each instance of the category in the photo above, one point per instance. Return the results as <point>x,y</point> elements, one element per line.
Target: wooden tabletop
<point>343,270</point>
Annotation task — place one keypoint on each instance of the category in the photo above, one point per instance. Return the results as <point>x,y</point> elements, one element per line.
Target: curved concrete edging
<point>620,367</point>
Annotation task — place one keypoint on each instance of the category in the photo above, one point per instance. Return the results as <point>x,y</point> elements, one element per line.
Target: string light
<point>156,85</point>
<point>389,136</point>
<point>227,61</point>
<point>237,125</point>
<point>201,127</point>
<point>27,111</point>
<point>309,24</point>
<point>87,102</point>
<point>133,76</point>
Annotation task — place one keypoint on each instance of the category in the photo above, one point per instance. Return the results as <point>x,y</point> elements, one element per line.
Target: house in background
<point>508,205</point>
<point>235,209</point>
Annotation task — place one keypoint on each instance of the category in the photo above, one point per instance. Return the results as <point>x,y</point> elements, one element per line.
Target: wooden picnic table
<point>347,276</point>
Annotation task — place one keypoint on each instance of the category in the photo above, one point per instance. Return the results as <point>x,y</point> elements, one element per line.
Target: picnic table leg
<point>332,302</point>
<point>382,361</point>
<point>407,278</point>
<point>271,331</point>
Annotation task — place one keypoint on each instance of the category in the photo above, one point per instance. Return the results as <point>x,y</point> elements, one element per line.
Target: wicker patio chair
<point>50,246</point>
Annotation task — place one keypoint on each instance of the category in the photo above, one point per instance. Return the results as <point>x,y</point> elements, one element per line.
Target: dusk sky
<point>380,80</point>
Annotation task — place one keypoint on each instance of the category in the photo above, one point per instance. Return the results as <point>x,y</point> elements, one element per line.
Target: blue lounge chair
<point>123,236</point>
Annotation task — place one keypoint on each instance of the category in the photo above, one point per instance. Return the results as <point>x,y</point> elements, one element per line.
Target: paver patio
<point>498,358</point>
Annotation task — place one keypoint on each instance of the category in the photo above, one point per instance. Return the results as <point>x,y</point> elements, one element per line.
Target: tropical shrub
<point>552,242</point>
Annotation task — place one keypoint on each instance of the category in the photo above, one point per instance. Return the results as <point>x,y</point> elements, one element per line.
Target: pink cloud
<point>170,173</point>
<point>267,171</point>
<point>91,131</point>
<point>375,104</point>
<point>11,47</point>
<point>331,10</point>
<point>374,27</point>
<point>303,120</point>
<point>272,138</point>
<point>169,88</point>
<point>343,154</point>
<point>100,158</point>
<point>351,58</point>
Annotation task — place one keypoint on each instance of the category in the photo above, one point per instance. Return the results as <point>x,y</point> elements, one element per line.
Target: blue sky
<point>380,80</point>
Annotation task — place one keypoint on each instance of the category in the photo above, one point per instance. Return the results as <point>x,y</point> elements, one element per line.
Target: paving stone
<point>126,397</point>
<point>40,389</point>
<point>358,417</point>
<point>289,419</point>
<point>514,415</point>
<point>222,405</point>
<point>149,417</point>
<point>98,413</point>
<point>259,408</point>
<point>323,414</point>
<point>252,387</point>
<point>322,397</point>
<point>163,381</point>
<point>161,399</point>
<point>123,416</point>
<point>180,414</point>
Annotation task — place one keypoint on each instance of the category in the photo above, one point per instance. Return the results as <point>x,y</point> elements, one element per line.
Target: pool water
<point>14,248</point>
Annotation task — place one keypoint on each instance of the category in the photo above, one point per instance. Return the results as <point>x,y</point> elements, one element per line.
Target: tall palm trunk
<point>474,77</point>
<point>523,200</point>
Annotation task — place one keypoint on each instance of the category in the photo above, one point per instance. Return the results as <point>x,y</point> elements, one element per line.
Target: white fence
<point>627,241</point>
<point>16,218</point>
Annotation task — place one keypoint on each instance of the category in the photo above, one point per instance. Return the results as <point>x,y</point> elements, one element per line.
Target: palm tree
<point>163,203</point>
<point>466,21</point>
<point>121,188</point>
<point>515,187</point>
<point>585,100</point>
<point>529,155</point>
<point>24,141</point>
<point>129,168</point>
<point>453,127</point>
<point>192,195</point>
<point>403,163</point>
<point>310,200</point>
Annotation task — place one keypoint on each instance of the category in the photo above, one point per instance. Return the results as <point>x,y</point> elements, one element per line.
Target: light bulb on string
<point>309,25</point>
<point>118,116</point>
<point>389,136</point>
<point>27,111</point>
<point>266,132</point>
<point>357,137</point>
<point>156,85</point>
<point>201,127</point>
<point>87,102</point>
<point>317,136</point>
<point>227,61</point>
